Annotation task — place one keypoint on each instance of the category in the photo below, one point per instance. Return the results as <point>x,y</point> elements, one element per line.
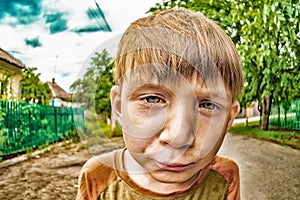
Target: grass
<point>282,137</point>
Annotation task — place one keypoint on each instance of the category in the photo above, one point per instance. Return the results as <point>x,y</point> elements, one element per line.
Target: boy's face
<point>173,130</point>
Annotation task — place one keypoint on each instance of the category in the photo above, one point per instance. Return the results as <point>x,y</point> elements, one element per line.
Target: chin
<point>170,177</point>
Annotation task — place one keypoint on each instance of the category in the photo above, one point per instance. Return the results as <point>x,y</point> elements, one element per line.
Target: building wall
<point>15,85</point>
<point>14,75</point>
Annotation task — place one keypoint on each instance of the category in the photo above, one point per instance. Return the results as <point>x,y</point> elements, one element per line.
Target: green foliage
<point>97,131</point>
<point>2,115</point>
<point>105,128</point>
<point>269,48</point>
<point>93,90</point>
<point>217,10</point>
<point>117,131</point>
<point>72,135</point>
<point>32,90</point>
<point>93,133</point>
<point>105,82</point>
<point>288,138</point>
<point>93,93</point>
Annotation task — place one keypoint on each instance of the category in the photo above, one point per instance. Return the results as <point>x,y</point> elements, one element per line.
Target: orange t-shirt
<point>104,177</point>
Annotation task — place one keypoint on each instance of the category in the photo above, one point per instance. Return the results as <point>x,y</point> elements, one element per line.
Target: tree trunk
<point>266,109</point>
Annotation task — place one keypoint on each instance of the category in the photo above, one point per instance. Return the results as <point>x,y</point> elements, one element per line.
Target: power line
<point>99,16</point>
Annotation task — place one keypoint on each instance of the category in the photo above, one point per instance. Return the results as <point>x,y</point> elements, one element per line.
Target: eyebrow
<point>205,93</point>
<point>150,86</point>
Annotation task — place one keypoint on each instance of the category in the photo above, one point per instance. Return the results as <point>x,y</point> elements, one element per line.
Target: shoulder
<point>96,175</point>
<point>230,171</point>
<point>99,163</point>
<point>225,166</point>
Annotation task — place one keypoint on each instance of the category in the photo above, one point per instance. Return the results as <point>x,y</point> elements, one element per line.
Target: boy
<point>177,77</point>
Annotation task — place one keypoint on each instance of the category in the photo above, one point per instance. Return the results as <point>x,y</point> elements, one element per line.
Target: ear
<point>235,109</point>
<point>115,100</point>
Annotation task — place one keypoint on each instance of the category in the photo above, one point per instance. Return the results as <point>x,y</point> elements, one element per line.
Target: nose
<point>180,126</point>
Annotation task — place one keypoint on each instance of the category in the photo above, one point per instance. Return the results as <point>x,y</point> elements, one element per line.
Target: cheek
<point>136,145</point>
<point>141,124</point>
<point>210,135</point>
<point>138,117</point>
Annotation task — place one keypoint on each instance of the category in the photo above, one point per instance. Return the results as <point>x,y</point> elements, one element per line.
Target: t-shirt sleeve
<point>94,178</point>
<point>230,170</point>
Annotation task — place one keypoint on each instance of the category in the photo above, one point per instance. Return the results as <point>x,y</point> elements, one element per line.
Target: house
<point>59,97</point>
<point>10,76</point>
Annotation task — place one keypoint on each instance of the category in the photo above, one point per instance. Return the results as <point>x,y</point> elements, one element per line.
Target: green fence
<point>286,114</point>
<point>26,125</point>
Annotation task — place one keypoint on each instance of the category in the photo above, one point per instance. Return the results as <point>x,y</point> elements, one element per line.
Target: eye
<point>209,106</point>
<point>153,99</point>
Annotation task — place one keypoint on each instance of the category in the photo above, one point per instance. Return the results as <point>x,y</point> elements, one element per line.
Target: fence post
<point>55,122</point>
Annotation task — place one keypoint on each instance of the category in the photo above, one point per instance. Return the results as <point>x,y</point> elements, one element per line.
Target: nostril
<point>163,143</point>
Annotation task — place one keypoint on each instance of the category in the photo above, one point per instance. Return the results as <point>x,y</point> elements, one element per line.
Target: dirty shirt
<point>218,180</point>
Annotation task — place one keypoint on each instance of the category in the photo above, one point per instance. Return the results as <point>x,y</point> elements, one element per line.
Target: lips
<point>173,166</point>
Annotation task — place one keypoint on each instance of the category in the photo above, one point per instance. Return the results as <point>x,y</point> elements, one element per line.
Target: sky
<point>59,36</point>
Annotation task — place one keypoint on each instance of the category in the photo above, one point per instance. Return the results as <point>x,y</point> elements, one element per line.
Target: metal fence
<point>286,114</point>
<point>24,125</point>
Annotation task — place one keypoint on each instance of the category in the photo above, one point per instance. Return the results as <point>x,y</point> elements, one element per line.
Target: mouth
<point>173,166</point>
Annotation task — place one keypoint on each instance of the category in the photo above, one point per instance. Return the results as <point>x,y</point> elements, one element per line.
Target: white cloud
<point>121,13</point>
<point>74,10</point>
<point>10,38</point>
<point>63,54</point>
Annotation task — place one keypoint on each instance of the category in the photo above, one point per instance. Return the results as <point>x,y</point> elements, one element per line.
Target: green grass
<point>282,137</point>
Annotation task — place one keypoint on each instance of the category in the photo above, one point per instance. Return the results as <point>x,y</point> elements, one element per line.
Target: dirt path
<point>268,171</point>
<point>47,176</point>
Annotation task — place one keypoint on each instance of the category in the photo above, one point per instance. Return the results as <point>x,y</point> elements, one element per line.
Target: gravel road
<point>267,170</point>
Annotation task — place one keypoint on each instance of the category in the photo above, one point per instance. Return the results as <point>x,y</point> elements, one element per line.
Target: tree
<point>102,97</point>
<point>32,89</point>
<point>93,90</point>
<point>267,35</point>
<point>269,48</point>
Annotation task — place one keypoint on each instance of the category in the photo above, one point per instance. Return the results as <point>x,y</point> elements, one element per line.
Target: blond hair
<point>184,41</point>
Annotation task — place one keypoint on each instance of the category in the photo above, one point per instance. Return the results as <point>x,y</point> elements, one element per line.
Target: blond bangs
<point>161,65</point>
